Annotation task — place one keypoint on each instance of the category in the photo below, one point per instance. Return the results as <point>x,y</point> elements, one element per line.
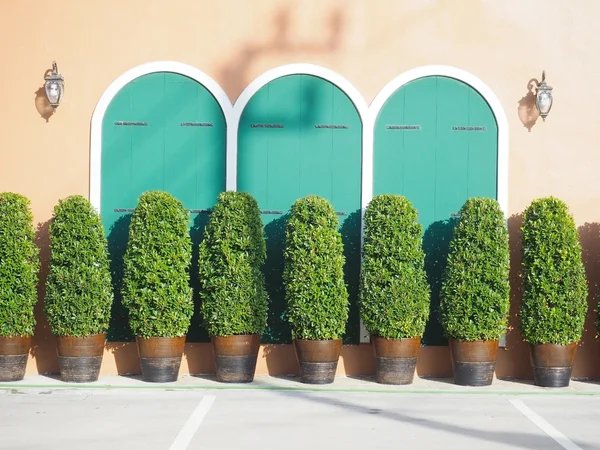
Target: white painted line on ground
<point>564,441</point>
<point>186,434</point>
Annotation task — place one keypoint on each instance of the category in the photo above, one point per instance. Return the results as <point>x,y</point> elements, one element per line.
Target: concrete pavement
<point>274,413</point>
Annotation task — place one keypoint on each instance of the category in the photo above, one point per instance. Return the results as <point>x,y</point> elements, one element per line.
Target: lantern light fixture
<point>543,97</point>
<point>54,86</point>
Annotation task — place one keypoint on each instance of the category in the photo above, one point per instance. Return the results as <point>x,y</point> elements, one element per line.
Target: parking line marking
<point>564,441</point>
<point>186,434</point>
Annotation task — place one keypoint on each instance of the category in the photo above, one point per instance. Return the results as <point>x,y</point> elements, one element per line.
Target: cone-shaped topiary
<point>394,293</point>
<point>19,266</point>
<point>232,253</point>
<point>156,289</point>
<point>555,289</point>
<point>313,275</point>
<point>475,291</point>
<point>79,288</point>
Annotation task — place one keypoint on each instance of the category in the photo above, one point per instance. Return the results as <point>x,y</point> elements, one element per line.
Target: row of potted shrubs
<point>394,292</point>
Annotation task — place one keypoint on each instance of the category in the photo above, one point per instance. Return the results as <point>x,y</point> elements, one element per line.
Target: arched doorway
<point>301,134</point>
<point>437,141</point>
<point>159,130</point>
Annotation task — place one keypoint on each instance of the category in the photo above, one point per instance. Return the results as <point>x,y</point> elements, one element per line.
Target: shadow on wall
<point>527,111</point>
<point>42,105</point>
<point>197,332</point>
<point>436,244</point>
<point>118,236</point>
<point>43,347</point>
<point>350,230</point>
<point>586,360</point>
<point>513,360</point>
<point>278,328</point>
<point>235,75</point>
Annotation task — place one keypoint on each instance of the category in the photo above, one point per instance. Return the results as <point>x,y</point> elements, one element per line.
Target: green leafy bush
<point>555,290</point>
<point>394,293</point>
<point>313,275</point>
<point>156,289</point>
<point>232,253</point>
<point>19,266</point>
<point>79,289</point>
<point>475,301</point>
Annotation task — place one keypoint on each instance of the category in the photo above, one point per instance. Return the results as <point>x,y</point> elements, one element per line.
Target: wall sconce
<point>54,86</point>
<point>543,97</point>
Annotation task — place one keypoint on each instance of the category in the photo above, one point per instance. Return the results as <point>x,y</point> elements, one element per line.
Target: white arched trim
<point>295,69</point>
<point>113,90</point>
<point>475,83</point>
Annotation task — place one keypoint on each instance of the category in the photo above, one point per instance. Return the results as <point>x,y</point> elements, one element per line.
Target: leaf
<point>19,266</point>
<point>316,294</point>
<point>231,256</point>
<point>475,292</point>
<point>555,289</point>
<point>156,267</point>
<point>394,293</point>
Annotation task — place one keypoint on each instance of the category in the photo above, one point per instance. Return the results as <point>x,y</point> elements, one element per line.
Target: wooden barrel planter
<point>552,364</point>
<point>235,357</point>
<point>160,358</point>
<point>395,359</point>
<point>317,359</point>
<point>80,358</point>
<point>473,362</point>
<point>14,352</point>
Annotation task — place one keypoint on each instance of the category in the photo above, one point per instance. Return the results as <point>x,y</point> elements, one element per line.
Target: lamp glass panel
<point>544,102</point>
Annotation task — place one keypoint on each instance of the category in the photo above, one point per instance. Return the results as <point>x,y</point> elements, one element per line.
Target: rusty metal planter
<point>317,359</point>
<point>13,357</point>
<point>80,358</point>
<point>160,358</point>
<point>552,364</point>
<point>474,362</point>
<point>235,357</point>
<point>395,359</point>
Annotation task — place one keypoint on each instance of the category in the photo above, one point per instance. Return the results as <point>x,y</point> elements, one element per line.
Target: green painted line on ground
<point>4,386</point>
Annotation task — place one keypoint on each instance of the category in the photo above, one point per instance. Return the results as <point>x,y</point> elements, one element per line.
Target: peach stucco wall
<point>504,43</point>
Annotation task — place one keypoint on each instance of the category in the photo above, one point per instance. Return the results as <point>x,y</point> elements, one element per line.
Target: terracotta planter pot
<point>80,358</point>
<point>317,359</point>
<point>474,362</point>
<point>395,359</point>
<point>235,357</point>
<point>160,358</point>
<point>552,364</point>
<point>13,357</point>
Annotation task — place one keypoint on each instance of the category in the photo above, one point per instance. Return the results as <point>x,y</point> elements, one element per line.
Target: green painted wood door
<point>161,131</point>
<point>301,135</point>
<point>436,142</point>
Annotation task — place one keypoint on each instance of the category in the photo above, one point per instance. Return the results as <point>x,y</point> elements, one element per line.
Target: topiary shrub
<point>475,301</point>
<point>79,288</point>
<point>232,253</point>
<point>156,289</point>
<point>394,293</point>
<point>313,275</point>
<point>19,266</point>
<point>555,289</point>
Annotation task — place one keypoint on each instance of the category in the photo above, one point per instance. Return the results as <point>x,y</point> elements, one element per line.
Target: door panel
<point>162,131</point>
<point>436,142</point>
<point>300,135</point>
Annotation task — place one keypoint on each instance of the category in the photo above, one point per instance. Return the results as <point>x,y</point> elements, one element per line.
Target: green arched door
<point>436,142</point>
<point>301,135</point>
<point>161,131</point>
